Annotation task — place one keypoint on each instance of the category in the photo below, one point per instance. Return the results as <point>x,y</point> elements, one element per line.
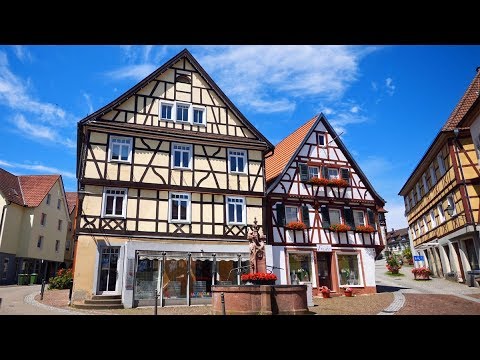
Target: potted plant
<point>421,273</point>
<point>364,229</point>
<point>340,227</point>
<point>393,263</point>
<point>338,182</point>
<point>348,291</point>
<point>318,181</point>
<point>296,225</point>
<point>325,292</point>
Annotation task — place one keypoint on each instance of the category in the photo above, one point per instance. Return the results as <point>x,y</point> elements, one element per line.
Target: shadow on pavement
<point>384,288</point>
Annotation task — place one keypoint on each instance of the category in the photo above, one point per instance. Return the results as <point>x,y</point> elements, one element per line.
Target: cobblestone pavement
<point>430,297</point>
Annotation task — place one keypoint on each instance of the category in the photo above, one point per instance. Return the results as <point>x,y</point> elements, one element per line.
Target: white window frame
<point>451,202</point>
<point>174,110</point>
<point>360,275</point>
<point>432,219</point>
<point>441,213</point>
<point>425,184</point>
<point>190,155</point>
<point>204,116</point>
<point>49,197</point>
<point>57,246</point>
<point>124,204</point>
<point>412,231</point>
<point>433,176</point>
<point>334,169</point>
<point>324,140</point>
<point>419,194</point>
<point>245,161</point>
<point>412,193</point>
<point>441,164</point>
<point>419,228</point>
<point>189,208</point>
<point>310,173</point>
<point>40,241</point>
<point>355,217</point>
<point>189,112</point>
<point>339,212</point>
<point>407,202</point>
<point>244,210</point>
<point>43,220</point>
<point>296,211</point>
<point>425,225</point>
<point>130,146</point>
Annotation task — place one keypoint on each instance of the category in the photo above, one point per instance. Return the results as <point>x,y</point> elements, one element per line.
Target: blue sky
<point>388,102</point>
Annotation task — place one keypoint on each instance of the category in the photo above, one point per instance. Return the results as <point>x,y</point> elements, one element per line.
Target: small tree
<point>407,254</point>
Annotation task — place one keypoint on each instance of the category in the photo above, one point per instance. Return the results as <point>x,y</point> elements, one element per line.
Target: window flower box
<point>340,228</point>
<point>338,183</point>
<point>296,225</point>
<point>318,181</point>
<point>364,229</point>
<point>259,279</point>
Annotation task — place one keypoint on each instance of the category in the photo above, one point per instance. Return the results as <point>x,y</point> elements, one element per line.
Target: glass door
<point>108,270</point>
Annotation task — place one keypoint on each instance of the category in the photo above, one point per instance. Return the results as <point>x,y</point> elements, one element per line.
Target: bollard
<point>0,302</point>
<point>223,304</point>
<point>42,290</point>
<point>70,294</point>
<point>156,301</point>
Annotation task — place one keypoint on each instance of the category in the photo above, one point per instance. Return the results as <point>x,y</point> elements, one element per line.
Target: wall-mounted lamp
<point>456,131</point>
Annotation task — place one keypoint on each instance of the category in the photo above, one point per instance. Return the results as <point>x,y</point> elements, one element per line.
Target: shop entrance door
<point>323,265</point>
<point>108,282</point>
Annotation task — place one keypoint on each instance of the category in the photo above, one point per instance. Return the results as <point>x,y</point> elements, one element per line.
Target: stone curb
<point>397,303</point>
<point>30,299</point>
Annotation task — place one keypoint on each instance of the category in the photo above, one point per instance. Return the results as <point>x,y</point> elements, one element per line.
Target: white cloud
<point>88,101</point>
<point>132,72</point>
<point>22,53</point>
<point>327,111</point>
<point>37,167</point>
<point>345,113</point>
<point>374,86</point>
<point>389,85</point>
<point>375,166</point>
<point>355,109</point>
<point>395,217</point>
<point>259,76</point>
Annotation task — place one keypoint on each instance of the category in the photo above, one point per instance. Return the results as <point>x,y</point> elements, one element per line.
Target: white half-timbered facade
<point>170,176</point>
<point>327,222</point>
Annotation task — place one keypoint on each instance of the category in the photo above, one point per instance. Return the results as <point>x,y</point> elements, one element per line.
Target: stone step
<point>106,297</point>
<point>98,306</point>
<point>104,302</point>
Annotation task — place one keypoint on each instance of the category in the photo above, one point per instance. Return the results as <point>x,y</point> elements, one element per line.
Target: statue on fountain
<point>257,239</point>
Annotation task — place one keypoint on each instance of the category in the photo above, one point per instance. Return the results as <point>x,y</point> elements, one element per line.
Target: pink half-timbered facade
<point>326,221</point>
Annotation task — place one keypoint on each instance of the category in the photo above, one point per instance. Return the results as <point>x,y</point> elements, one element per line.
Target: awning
<point>198,256</point>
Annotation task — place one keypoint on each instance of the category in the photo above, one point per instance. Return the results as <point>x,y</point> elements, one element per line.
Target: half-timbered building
<point>170,176</point>
<point>442,202</point>
<point>327,221</point>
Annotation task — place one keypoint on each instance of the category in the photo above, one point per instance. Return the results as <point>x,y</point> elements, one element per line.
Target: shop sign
<point>324,248</point>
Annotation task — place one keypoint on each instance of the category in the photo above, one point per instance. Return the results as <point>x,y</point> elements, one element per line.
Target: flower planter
<point>421,276</point>
<point>348,293</point>
<point>260,282</point>
<point>325,295</point>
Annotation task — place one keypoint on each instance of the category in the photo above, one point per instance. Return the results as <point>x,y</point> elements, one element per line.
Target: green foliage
<point>63,280</point>
<point>407,253</point>
<point>394,262</point>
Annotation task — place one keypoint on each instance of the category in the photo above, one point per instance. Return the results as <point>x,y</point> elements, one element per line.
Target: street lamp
<point>449,210</point>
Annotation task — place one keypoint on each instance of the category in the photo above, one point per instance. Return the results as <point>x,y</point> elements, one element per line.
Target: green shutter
<point>324,172</point>
<point>371,218</point>
<point>325,217</point>
<point>281,214</point>
<point>349,218</point>
<point>345,174</point>
<point>303,170</point>
<point>305,216</point>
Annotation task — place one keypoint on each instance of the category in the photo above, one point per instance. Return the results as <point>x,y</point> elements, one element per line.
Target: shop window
<point>300,265</point>
<point>348,269</point>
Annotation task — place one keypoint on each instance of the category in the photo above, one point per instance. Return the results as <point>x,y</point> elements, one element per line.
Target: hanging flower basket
<point>364,229</point>
<point>318,181</point>
<point>340,228</point>
<point>296,225</point>
<point>338,182</point>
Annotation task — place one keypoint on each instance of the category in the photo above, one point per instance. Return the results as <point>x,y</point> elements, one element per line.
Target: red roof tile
<point>10,187</point>
<point>465,103</point>
<point>36,187</point>
<point>285,149</point>
<point>71,201</point>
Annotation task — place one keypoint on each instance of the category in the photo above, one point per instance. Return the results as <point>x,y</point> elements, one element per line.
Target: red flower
<point>364,229</point>
<point>318,181</point>
<point>338,182</point>
<point>325,290</point>
<point>340,227</point>
<point>259,276</point>
<point>296,225</point>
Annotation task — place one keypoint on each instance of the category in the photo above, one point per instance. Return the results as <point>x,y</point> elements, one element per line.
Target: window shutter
<point>371,218</point>
<point>281,214</point>
<point>324,172</point>
<point>305,216</point>
<point>303,170</point>
<point>325,217</point>
<point>349,217</point>
<point>345,174</point>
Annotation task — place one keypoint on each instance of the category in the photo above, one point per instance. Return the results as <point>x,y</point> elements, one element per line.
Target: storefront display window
<point>348,269</point>
<point>300,267</point>
<point>201,281</point>
<point>146,280</point>
<point>175,279</point>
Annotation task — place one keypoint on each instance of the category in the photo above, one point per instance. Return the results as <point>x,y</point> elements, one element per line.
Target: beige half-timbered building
<point>170,176</point>
<point>327,221</point>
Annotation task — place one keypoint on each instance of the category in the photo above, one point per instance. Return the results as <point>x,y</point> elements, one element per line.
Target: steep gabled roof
<point>10,187</point>
<point>71,201</point>
<point>285,149</point>
<point>276,165</point>
<point>36,187</point>
<point>454,120</point>
<point>184,53</point>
